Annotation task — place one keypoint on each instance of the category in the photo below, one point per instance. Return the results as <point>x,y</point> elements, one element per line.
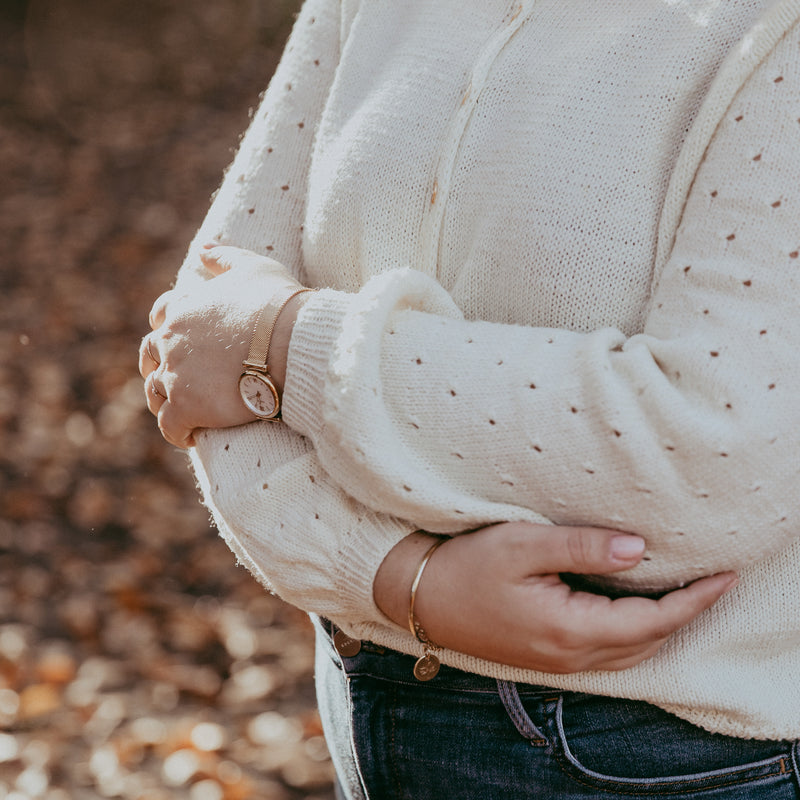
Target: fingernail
<point>626,547</point>
<point>209,245</point>
<point>732,582</point>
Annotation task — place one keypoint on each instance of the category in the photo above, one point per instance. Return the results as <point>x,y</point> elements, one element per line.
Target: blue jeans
<point>467,737</point>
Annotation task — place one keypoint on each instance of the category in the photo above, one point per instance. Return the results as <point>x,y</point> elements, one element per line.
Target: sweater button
<point>345,645</point>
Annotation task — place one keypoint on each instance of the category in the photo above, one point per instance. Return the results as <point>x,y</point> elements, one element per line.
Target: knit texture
<point>560,245</point>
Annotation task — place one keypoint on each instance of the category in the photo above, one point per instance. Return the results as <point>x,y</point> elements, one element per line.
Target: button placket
<point>431,229</point>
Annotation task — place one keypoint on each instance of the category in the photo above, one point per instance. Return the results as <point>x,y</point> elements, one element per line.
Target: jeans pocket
<point>415,740</point>
<point>635,749</point>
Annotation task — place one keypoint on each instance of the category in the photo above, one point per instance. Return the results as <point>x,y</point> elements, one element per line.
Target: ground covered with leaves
<point>136,660</point>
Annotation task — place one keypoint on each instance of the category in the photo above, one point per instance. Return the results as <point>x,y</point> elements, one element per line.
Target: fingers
<point>149,358</point>
<point>583,551</point>
<point>169,423</point>
<point>680,607</point>
<point>625,630</point>
<point>215,258</point>
<point>605,658</point>
<point>591,631</point>
<point>158,313</point>
<point>638,622</point>
<point>220,258</point>
<point>155,393</point>
<point>172,429</point>
<point>625,659</point>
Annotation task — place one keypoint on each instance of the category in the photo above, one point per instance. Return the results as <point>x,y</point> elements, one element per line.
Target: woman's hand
<point>496,594</point>
<point>192,360</point>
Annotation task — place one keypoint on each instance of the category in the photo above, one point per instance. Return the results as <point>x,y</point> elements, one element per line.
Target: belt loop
<point>509,695</point>
<point>795,755</point>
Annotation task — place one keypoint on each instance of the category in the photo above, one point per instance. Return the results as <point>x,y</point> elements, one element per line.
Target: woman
<point>561,250</point>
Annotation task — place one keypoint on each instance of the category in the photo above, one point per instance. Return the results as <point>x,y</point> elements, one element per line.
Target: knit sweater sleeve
<point>687,432</point>
<point>297,531</point>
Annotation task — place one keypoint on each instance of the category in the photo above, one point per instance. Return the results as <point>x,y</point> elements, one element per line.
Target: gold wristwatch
<point>258,390</point>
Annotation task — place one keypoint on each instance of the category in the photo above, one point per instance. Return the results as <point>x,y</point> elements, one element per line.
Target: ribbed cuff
<point>311,350</point>
<point>361,557</point>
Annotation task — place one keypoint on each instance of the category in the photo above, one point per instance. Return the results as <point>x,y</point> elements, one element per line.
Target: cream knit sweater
<point>561,244</point>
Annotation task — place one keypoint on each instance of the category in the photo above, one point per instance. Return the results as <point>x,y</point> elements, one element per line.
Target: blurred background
<point>136,660</point>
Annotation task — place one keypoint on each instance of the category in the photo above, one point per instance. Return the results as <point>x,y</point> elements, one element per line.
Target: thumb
<point>218,258</point>
<point>587,551</point>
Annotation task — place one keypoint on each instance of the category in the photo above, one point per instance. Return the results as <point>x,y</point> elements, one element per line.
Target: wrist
<point>281,338</point>
<point>396,574</point>
<point>261,383</point>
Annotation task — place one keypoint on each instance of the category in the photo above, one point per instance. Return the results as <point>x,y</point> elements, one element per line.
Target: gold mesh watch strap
<point>265,325</point>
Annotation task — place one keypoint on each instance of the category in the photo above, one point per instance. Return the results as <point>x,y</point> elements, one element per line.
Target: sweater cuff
<point>361,557</point>
<point>314,338</point>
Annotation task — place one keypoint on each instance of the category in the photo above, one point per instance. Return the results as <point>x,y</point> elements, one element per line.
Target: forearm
<point>275,506</point>
<point>582,429</point>
<point>291,525</point>
<point>685,432</point>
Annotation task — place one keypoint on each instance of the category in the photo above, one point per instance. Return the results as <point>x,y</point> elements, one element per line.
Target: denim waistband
<point>459,735</point>
<point>382,662</point>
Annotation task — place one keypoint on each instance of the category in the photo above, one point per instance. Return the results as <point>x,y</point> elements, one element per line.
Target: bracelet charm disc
<point>427,667</point>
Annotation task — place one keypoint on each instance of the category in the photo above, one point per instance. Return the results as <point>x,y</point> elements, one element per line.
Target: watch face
<point>259,395</point>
